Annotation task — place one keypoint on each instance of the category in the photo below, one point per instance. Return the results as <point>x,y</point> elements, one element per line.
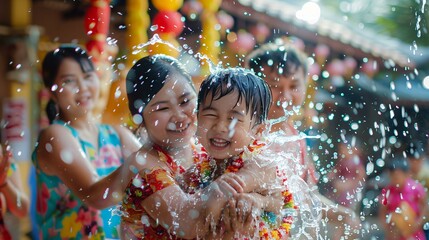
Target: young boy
<point>232,105</point>
<point>284,68</point>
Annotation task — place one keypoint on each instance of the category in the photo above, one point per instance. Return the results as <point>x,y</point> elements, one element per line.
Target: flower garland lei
<point>268,228</point>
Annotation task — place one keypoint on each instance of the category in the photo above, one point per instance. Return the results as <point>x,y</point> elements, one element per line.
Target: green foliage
<point>407,21</point>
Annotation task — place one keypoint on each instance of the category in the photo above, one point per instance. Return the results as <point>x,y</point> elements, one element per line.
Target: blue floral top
<point>60,213</point>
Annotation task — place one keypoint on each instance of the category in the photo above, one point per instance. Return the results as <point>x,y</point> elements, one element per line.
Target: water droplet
<point>66,156</point>
<point>153,28</point>
<point>105,193</point>
<point>48,147</point>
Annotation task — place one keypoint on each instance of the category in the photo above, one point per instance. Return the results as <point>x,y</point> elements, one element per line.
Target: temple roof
<point>343,36</point>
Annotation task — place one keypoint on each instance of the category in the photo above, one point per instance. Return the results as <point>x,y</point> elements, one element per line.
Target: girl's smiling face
<point>170,118</point>
<point>75,91</point>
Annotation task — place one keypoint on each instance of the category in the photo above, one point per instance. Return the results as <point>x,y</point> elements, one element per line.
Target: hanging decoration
<point>260,31</point>
<point>243,43</point>
<point>335,68</point>
<point>225,21</point>
<point>210,37</point>
<point>350,65</point>
<point>322,52</point>
<point>137,23</point>
<point>168,25</point>
<point>192,8</point>
<point>370,68</point>
<point>96,24</point>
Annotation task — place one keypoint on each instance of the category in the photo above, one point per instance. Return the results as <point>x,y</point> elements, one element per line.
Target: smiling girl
<point>77,159</point>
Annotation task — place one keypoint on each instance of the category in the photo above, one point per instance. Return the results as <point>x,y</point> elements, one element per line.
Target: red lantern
<point>168,22</point>
<point>96,23</point>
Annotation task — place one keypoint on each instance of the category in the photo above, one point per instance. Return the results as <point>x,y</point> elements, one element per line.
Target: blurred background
<point>368,72</point>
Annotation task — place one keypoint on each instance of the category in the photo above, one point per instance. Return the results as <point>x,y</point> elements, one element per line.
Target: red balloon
<point>168,22</point>
<point>97,20</point>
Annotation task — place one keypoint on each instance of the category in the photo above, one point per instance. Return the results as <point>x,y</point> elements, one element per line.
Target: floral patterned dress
<point>60,213</point>
<point>135,221</point>
<point>4,232</point>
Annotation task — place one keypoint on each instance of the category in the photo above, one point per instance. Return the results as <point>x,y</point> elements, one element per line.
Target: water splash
<point>154,40</point>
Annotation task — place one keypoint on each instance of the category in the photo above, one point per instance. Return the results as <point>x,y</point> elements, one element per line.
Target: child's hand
<point>5,161</point>
<point>247,208</point>
<point>230,184</point>
<point>239,215</point>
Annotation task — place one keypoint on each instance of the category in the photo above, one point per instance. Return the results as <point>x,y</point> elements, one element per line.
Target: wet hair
<point>250,87</point>
<point>51,64</point>
<point>147,77</point>
<point>398,163</point>
<point>280,57</point>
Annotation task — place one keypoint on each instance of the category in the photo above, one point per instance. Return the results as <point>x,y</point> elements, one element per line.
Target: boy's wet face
<point>224,126</point>
<point>287,91</point>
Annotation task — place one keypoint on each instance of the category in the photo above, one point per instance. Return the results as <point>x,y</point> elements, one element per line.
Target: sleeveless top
<point>60,213</point>
<point>136,223</point>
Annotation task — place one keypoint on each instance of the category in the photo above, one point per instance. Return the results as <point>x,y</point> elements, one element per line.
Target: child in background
<point>78,161</point>
<point>403,203</point>
<point>419,170</point>
<point>232,106</point>
<point>285,69</point>
<point>12,197</point>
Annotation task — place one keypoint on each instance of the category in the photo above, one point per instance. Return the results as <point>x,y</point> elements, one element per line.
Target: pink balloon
<point>314,69</point>
<point>225,20</point>
<point>244,43</point>
<point>350,63</point>
<point>336,68</point>
<point>260,31</point>
<point>298,43</point>
<point>191,7</point>
<point>370,67</point>
<point>322,50</point>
